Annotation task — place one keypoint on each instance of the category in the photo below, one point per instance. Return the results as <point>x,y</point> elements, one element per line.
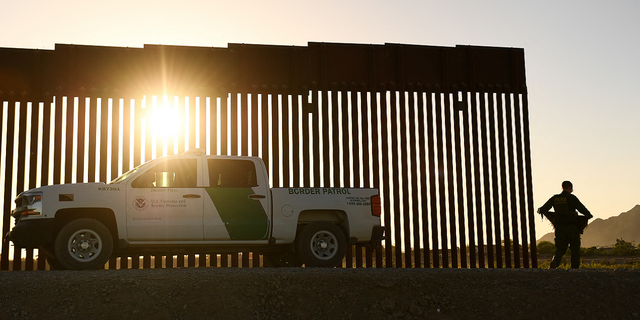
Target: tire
<point>83,244</point>
<point>281,259</point>
<point>321,244</point>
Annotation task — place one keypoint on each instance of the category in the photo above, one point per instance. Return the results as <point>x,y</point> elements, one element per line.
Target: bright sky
<point>581,60</point>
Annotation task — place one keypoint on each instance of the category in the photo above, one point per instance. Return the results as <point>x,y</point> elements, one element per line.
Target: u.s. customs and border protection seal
<point>140,203</point>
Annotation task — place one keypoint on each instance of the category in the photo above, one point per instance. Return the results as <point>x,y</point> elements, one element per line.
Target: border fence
<point>443,132</point>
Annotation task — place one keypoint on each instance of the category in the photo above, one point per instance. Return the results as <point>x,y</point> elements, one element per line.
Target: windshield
<point>126,175</point>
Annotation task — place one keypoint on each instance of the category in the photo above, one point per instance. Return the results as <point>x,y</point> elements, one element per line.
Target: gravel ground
<point>305,293</point>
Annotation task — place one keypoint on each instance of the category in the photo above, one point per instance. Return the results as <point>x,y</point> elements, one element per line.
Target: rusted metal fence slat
<point>487,177</point>
<point>20,174</point>
<point>470,172</point>
<point>224,118</point>
<point>521,182</point>
<point>512,186</point>
<point>405,174</point>
<point>115,141</point>
<point>442,201</point>
<point>475,136</point>
<point>394,162</point>
<point>57,143</point>
<point>33,147</point>
<point>336,138</point>
<point>457,108</point>
<point>448,127</point>
<point>502,178</point>
<point>104,134</point>
<point>424,174</point>
<point>355,136</point>
<point>80,169</point>
<point>315,148</point>
<point>275,144</point>
<point>527,161</point>
<point>347,135</point>
<point>284,132</point>
<point>295,132</point>
<point>233,124</point>
<point>69,137</point>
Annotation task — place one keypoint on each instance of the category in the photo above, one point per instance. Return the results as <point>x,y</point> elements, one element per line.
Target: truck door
<point>236,201</point>
<point>164,203</point>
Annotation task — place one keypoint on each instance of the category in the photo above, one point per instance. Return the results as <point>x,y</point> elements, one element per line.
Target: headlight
<point>31,199</point>
<point>28,204</point>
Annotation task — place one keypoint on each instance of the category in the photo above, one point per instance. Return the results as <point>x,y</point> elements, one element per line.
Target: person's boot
<point>552,265</point>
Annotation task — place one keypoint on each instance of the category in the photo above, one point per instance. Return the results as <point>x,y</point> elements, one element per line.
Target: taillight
<point>376,206</point>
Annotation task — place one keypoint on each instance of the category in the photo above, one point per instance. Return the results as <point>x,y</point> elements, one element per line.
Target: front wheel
<point>321,244</point>
<point>83,244</point>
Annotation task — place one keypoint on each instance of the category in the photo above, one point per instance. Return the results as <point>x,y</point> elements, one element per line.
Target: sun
<point>165,121</point>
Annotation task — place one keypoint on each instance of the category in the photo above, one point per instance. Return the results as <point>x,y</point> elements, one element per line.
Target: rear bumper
<point>31,232</point>
<point>377,233</point>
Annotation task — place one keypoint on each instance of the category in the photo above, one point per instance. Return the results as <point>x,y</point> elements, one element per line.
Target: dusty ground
<point>304,293</point>
<point>620,261</point>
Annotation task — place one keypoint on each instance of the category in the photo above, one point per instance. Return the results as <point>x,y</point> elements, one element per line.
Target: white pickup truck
<point>193,203</point>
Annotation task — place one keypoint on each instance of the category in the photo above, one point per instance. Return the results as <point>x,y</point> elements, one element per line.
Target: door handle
<point>256,196</point>
<point>191,196</point>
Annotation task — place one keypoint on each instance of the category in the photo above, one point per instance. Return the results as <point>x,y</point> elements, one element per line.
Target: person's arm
<point>545,208</point>
<point>582,208</point>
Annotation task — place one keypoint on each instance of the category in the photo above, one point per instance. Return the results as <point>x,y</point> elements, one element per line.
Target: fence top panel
<point>101,71</point>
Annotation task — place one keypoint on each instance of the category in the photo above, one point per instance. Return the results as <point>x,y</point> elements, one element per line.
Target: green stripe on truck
<point>245,219</point>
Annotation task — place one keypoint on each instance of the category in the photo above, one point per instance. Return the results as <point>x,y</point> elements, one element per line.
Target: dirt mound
<point>304,293</point>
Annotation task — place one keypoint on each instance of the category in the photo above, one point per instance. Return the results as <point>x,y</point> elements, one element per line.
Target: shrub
<point>607,262</point>
<point>624,248</point>
<point>591,251</point>
<point>546,247</point>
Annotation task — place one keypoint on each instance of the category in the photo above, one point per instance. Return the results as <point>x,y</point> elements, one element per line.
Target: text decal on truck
<point>319,191</point>
<point>358,201</point>
<point>108,189</point>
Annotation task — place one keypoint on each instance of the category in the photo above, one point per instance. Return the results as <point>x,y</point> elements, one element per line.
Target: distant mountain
<point>605,232</point>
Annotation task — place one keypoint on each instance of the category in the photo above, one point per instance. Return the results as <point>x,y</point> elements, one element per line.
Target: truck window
<point>177,173</point>
<point>224,173</point>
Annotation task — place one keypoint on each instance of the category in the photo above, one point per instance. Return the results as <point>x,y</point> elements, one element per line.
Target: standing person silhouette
<point>566,224</point>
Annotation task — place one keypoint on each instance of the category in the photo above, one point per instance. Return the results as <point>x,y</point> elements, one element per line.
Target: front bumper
<point>31,232</point>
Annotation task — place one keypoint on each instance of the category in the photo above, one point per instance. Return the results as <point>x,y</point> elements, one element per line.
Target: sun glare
<point>165,121</point>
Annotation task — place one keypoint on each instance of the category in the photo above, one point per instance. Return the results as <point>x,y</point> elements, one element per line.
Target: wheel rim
<point>324,245</point>
<point>84,245</point>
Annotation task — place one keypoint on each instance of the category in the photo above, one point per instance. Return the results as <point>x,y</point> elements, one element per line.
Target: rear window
<point>225,173</point>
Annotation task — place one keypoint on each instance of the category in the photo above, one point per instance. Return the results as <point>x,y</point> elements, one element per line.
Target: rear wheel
<point>83,244</point>
<point>321,244</point>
